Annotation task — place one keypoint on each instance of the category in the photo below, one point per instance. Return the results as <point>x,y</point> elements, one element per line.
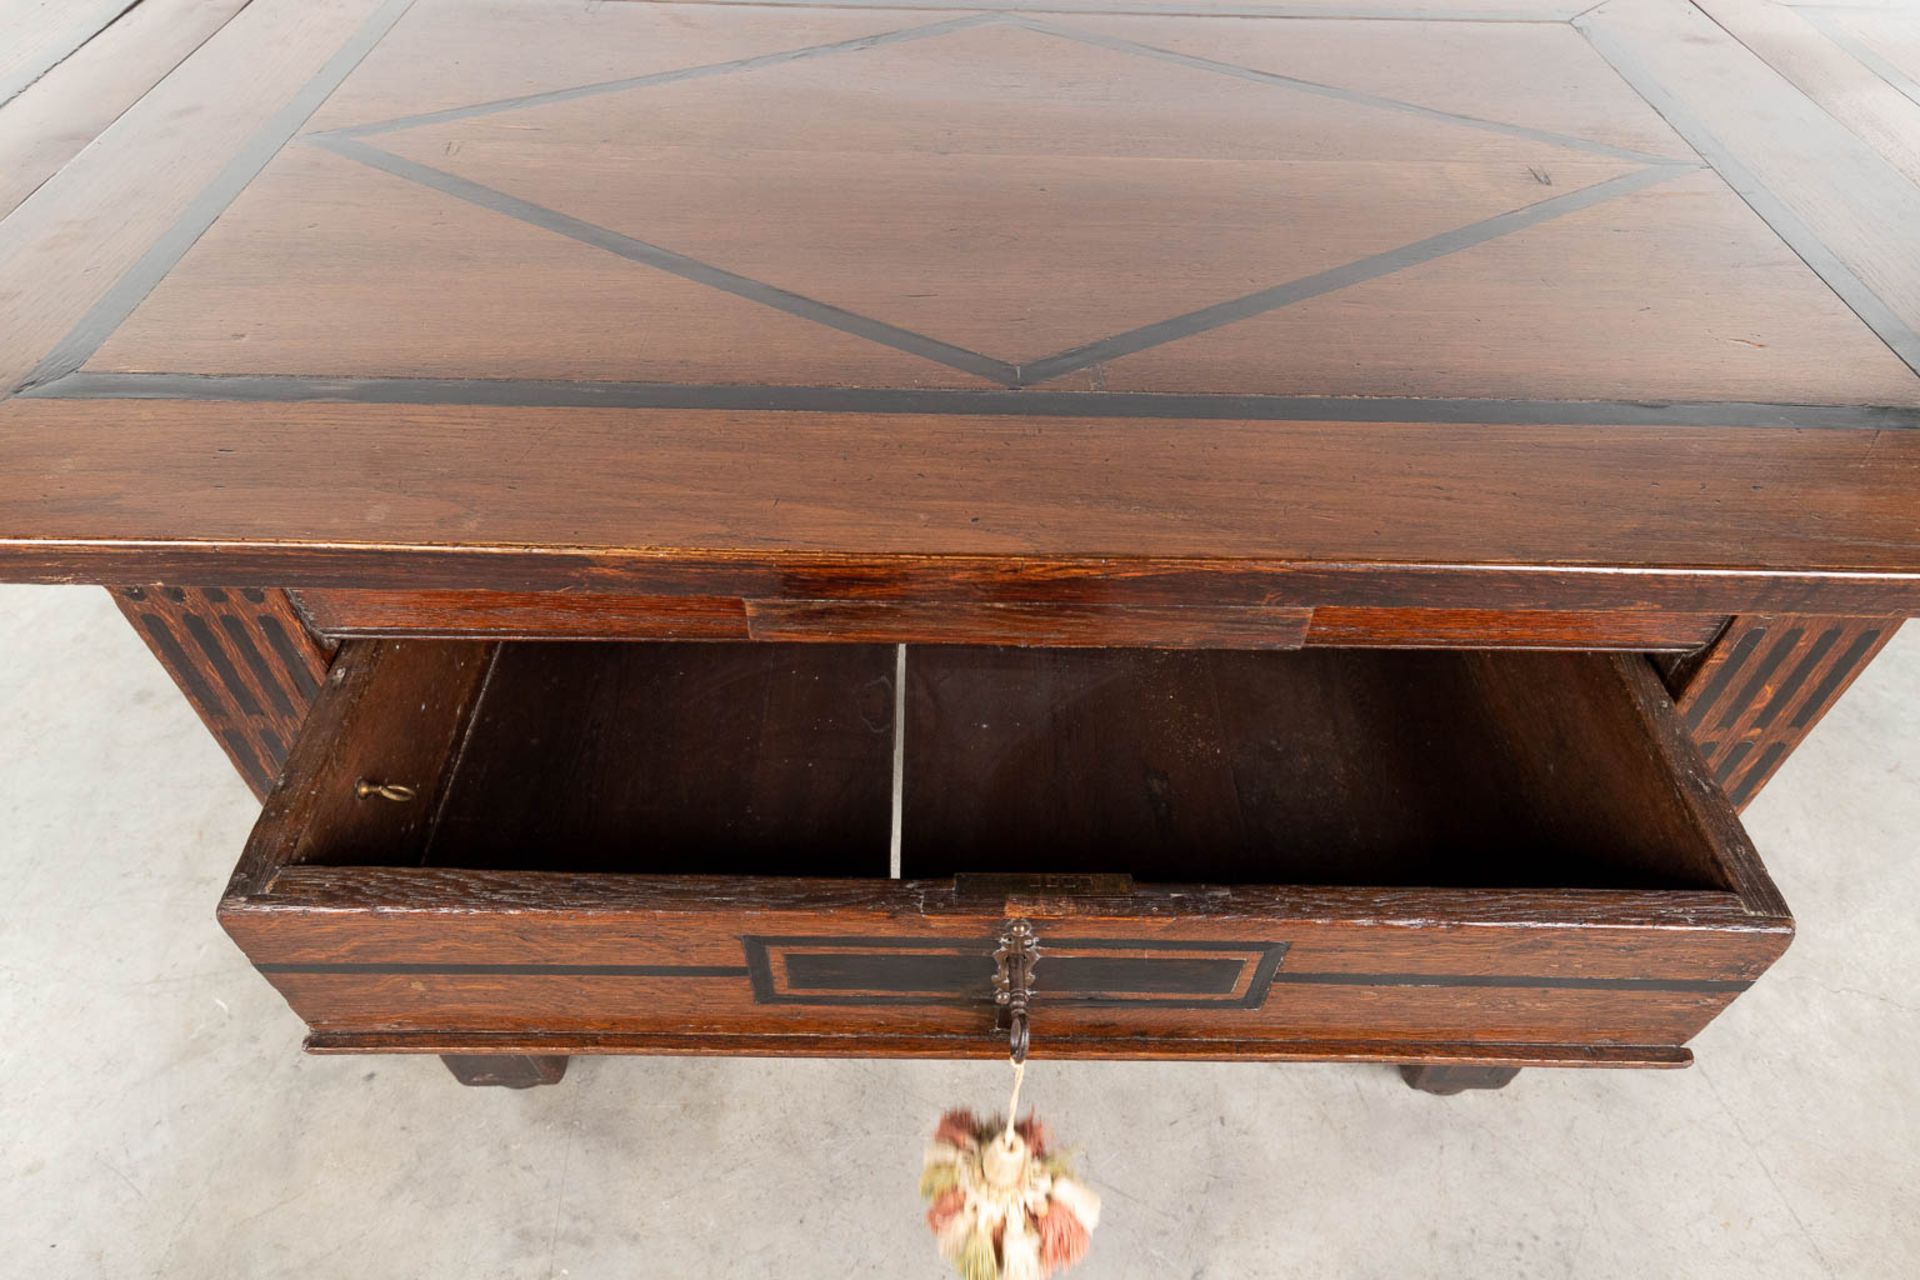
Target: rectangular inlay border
<point>59,373</point>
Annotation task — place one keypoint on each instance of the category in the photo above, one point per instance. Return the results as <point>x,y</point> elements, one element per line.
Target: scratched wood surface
<point>379,292</point>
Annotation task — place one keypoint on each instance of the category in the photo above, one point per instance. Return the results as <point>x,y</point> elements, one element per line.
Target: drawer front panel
<point>884,965</point>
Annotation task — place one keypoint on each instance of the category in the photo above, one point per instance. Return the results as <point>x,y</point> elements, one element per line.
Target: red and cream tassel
<point>1001,1205</point>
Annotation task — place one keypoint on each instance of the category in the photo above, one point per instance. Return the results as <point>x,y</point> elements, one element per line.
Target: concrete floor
<point>157,1118</point>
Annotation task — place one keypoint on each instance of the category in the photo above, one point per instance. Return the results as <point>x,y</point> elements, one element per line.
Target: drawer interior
<point>1331,767</point>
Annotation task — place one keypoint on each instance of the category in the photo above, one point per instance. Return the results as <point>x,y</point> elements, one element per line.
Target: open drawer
<point>518,848</point>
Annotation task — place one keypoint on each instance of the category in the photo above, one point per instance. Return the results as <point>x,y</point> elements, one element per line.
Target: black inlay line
<point>1758,774</point>
<point>1837,674</point>
<point>984,944</point>
<point>347,143</point>
<point>931,971</point>
<point>282,646</point>
<point>1782,696</point>
<point>1505,980</point>
<point>1356,96</point>
<point>576,92</point>
<point>984,998</point>
<point>184,668</point>
<point>520,970</point>
<point>1341,277</point>
<point>275,748</point>
<point>229,675</point>
<point>164,254</point>
<point>1731,761</point>
<point>1723,676</point>
<point>1873,311</point>
<point>1758,677</point>
<point>673,263</point>
<point>243,752</point>
<point>957,401</point>
<point>1830,26</point>
<point>256,662</point>
<point>741,971</point>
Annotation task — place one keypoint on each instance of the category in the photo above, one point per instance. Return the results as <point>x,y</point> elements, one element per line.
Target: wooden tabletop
<point>1476,302</point>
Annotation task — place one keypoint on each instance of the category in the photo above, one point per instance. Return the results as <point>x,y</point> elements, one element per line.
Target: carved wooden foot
<point>505,1071</point>
<point>1447,1081</point>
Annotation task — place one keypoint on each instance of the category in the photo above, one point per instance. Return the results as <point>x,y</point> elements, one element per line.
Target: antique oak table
<point>696,518</point>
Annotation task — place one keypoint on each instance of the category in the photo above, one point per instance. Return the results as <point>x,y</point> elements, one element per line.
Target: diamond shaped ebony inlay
<point>1018,234</point>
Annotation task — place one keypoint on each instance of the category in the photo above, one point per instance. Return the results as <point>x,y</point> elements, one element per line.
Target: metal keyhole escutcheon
<point>1014,960</point>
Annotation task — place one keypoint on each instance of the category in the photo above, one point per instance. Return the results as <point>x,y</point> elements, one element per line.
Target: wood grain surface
<point>1833,56</point>
<point>1705,519</point>
<point>38,35</point>
<point>60,114</point>
<point>114,205</point>
<point>1318,768</point>
<point>438,293</point>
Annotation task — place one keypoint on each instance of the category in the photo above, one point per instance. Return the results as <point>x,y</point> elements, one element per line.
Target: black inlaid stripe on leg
<point>256,662</point>
<point>1837,674</point>
<point>1762,767</point>
<point>1728,763</point>
<point>183,668</point>
<point>222,666</point>
<point>1723,676</point>
<point>290,659</point>
<point>245,756</point>
<point>1757,679</point>
<point>1783,696</point>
